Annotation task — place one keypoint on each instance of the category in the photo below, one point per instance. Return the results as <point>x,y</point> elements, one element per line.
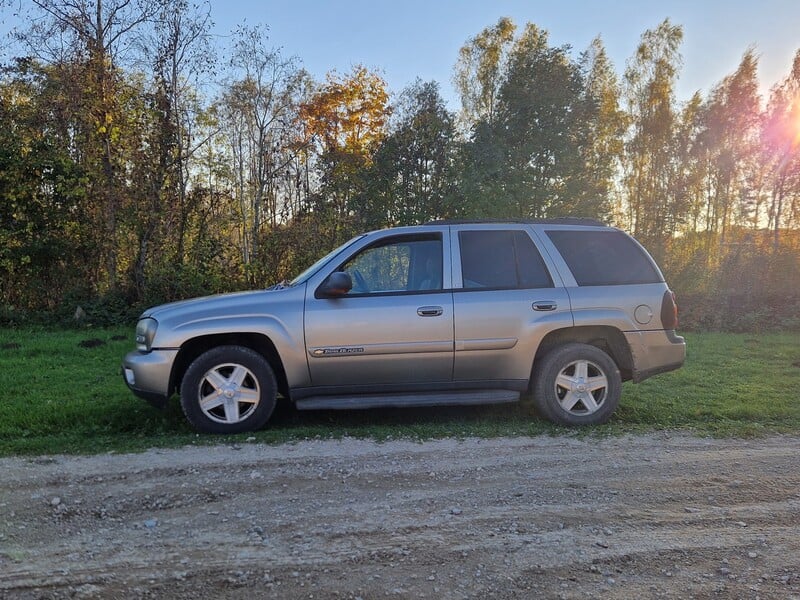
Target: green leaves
<point>411,180</point>
<point>534,124</point>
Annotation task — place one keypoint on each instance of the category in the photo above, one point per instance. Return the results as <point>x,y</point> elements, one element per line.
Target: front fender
<point>286,337</point>
<point>273,316</point>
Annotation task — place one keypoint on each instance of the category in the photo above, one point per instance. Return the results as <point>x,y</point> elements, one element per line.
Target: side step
<point>466,397</point>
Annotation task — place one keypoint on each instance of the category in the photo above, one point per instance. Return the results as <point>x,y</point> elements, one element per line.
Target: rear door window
<point>604,258</point>
<point>498,259</point>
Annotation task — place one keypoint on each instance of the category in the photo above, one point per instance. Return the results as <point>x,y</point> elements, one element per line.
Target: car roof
<point>557,221</point>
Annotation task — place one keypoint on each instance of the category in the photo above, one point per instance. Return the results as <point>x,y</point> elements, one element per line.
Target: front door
<point>395,327</point>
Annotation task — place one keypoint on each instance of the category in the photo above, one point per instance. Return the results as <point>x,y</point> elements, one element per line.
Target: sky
<point>407,39</point>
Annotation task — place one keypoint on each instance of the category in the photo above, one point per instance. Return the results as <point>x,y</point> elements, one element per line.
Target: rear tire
<point>229,389</point>
<point>577,384</point>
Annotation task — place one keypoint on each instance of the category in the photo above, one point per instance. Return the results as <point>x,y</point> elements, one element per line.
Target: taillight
<point>669,311</point>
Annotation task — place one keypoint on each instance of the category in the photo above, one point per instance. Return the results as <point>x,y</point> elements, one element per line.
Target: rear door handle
<point>544,305</point>
<point>430,311</point>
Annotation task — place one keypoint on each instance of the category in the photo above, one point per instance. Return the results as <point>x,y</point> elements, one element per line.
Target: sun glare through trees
<point>127,180</point>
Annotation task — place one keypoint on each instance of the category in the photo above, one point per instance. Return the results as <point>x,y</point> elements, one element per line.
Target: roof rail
<point>555,221</point>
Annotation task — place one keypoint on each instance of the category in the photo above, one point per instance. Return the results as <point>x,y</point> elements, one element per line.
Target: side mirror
<point>337,284</point>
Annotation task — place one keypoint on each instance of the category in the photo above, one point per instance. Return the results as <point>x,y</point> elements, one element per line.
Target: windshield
<point>305,275</point>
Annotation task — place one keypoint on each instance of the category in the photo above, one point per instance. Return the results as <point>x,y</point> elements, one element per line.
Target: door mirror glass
<point>337,284</point>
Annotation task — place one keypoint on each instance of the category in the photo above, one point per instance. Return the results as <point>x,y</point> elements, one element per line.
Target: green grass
<point>60,397</point>
<point>732,384</point>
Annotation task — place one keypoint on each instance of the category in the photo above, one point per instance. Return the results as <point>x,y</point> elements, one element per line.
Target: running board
<point>466,397</point>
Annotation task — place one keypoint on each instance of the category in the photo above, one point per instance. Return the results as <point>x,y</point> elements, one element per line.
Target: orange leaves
<point>349,113</point>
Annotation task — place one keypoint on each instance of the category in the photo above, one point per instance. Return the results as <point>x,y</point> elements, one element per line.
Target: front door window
<point>402,264</point>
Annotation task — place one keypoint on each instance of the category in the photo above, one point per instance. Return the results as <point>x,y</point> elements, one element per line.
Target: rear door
<point>507,296</point>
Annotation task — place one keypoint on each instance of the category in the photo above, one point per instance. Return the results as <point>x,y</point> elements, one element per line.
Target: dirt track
<point>635,517</point>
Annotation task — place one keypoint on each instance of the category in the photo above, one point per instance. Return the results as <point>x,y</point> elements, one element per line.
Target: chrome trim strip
<point>486,344</point>
<point>380,349</point>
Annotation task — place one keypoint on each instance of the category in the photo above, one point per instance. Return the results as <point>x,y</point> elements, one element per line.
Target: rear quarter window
<point>604,257</point>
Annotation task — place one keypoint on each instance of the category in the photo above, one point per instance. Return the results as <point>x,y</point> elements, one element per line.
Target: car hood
<point>256,302</point>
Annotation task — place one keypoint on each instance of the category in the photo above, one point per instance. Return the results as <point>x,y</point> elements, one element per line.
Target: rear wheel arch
<point>608,339</point>
<point>195,347</point>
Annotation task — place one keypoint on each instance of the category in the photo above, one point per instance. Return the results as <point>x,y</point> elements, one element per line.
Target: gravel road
<point>655,516</point>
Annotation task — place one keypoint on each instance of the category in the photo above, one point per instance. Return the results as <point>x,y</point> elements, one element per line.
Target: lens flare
<point>795,121</point>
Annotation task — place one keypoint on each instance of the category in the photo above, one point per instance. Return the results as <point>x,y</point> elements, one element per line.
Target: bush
<point>739,312</point>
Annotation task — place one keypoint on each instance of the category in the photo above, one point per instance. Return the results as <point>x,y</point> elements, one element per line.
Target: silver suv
<point>440,314</point>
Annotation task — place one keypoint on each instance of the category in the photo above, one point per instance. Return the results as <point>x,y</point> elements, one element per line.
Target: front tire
<point>577,384</point>
<point>228,389</point>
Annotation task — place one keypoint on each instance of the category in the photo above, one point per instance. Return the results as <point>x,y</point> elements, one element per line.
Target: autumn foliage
<point>140,162</point>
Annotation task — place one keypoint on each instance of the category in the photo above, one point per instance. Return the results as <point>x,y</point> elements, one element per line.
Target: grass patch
<point>64,394</point>
<point>732,384</point>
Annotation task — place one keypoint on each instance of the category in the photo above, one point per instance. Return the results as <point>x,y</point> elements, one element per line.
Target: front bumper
<point>655,352</point>
<point>147,375</point>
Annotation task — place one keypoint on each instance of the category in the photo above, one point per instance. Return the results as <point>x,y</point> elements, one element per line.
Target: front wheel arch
<point>260,343</point>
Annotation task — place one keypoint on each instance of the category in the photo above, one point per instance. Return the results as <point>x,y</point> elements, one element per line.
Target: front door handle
<point>430,311</point>
<point>544,305</point>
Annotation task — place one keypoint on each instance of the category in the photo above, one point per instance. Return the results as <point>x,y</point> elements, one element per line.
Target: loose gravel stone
<point>506,519</point>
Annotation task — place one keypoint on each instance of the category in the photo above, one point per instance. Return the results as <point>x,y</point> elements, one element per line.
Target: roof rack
<point>556,221</point>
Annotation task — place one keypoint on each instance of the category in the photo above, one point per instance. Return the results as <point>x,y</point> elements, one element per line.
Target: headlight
<point>145,332</point>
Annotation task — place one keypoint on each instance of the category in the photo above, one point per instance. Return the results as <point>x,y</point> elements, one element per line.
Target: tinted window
<point>604,258</point>
<point>501,259</point>
<point>532,270</point>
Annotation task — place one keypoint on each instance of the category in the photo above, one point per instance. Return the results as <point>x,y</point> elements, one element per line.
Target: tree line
<point>142,162</point>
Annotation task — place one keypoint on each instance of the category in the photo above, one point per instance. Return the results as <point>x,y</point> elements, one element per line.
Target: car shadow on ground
<point>286,416</point>
<point>289,424</point>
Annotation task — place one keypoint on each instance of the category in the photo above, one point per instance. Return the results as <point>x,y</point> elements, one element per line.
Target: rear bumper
<point>655,352</point>
<point>147,375</point>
